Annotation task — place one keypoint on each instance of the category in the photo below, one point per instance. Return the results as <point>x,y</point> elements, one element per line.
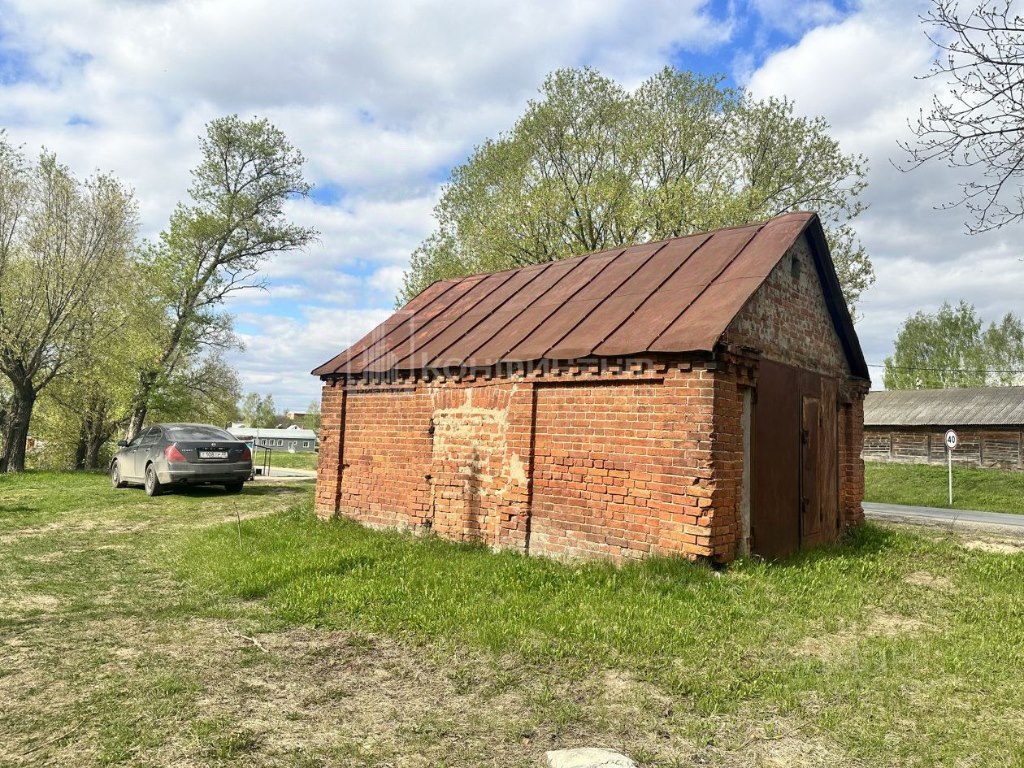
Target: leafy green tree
<point>64,243</point>
<point>1004,351</point>
<point>266,413</point>
<point>216,244</point>
<point>206,390</point>
<point>312,417</point>
<point>250,408</point>
<point>259,411</point>
<point>591,166</point>
<point>78,416</point>
<point>951,348</point>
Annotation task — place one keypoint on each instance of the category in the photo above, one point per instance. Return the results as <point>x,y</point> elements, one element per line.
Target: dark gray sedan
<point>181,454</point>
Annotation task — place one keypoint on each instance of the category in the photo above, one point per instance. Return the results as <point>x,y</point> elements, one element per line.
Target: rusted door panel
<point>775,460</point>
<point>810,452</point>
<point>829,464</point>
<point>794,474</point>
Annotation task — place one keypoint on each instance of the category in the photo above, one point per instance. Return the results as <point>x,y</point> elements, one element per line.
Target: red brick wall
<point>851,465</point>
<point>786,319</point>
<point>620,467</point>
<point>623,469</point>
<point>331,440</point>
<point>727,458</point>
<point>480,453</point>
<point>386,457</point>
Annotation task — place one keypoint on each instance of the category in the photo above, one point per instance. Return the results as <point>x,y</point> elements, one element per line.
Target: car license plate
<point>213,454</point>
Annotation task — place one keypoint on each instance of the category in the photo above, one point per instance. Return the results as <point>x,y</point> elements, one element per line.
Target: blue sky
<point>385,98</point>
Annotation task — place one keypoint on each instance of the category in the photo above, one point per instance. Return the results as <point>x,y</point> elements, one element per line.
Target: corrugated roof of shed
<point>675,295</point>
<point>977,406</point>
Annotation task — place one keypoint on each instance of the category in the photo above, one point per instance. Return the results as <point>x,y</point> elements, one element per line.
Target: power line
<point>945,370</point>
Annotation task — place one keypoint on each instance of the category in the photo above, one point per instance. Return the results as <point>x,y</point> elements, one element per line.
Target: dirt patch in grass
<point>31,602</point>
<point>1004,547</point>
<point>830,646</point>
<point>930,580</point>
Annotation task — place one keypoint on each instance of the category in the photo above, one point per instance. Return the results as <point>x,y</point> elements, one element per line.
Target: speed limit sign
<point>950,439</point>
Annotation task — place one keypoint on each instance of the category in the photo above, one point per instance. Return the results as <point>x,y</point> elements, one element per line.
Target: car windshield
<point>196,432</point>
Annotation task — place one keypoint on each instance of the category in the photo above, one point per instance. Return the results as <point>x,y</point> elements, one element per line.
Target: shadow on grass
<point>20,509</point>
<point>203,491</point>
<point>867,539</point>
<point>314,571</point>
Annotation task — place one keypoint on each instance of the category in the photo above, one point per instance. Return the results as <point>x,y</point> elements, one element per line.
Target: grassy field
<point>141,631</point>
<point>990,490</point>
<point>287,460</point>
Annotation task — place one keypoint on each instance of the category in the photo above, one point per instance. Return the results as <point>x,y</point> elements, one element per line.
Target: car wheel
<point>115,476</point>
<point>233,487</point>
<point>153,487</point>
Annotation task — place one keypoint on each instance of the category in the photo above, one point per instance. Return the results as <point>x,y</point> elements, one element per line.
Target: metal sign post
<point>950,440</point>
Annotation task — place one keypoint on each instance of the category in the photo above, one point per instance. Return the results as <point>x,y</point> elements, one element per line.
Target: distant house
<point>293,439</point>
<point>907,426</point>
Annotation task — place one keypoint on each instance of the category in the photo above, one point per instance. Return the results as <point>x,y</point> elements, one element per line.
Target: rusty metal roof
<point>675,295</point>
<point>976,406</point>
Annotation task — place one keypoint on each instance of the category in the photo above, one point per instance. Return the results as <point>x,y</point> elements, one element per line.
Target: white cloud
<point>381,97</point>
<point>278,359</point>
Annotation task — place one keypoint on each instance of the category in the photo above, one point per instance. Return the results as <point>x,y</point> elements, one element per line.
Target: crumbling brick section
<point>851,465</point>
<point>331,440</point>
<point>480,449</point>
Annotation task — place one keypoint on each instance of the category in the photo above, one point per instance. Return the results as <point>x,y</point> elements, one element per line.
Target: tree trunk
<point>92,455</point>
<point>140,404</point>
<point>98,436</point>
<point>12,457</point>
<point>81,447</point>
<point>136,421</point>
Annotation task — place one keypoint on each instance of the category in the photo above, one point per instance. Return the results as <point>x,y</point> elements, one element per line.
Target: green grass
<point>160,632</point>
<point>716,643</point>
<point>990,490</point>
<point>287,460</point>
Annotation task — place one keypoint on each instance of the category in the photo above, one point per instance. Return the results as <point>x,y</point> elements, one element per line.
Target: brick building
<point>907,426</point>
<point>700,396</point>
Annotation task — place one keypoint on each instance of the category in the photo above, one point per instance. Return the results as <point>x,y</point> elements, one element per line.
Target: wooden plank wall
<point>1003,449</point>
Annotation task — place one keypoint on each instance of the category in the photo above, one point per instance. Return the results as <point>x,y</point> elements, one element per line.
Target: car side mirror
<point>122,443</point>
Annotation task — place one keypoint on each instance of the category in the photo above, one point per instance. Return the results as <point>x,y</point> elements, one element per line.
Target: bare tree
<point>216,244</point>
<point>62,241</point>
<point>978,123</point>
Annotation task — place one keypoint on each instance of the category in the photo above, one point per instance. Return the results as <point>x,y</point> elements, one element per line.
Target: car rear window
<point>197,433</point>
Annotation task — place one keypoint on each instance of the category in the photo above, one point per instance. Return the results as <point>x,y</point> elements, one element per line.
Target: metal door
<point>794,488</point>
<point>775,460</point>
<point>810,451</point>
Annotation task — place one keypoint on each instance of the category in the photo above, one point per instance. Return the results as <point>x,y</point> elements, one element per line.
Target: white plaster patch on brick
<point>517,470</point>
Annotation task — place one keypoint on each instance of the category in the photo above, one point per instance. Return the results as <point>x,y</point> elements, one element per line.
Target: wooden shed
<point>700,396</point>
<point>907,426</point>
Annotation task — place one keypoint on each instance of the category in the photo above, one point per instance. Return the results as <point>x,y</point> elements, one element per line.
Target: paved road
<point>899,512</point>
